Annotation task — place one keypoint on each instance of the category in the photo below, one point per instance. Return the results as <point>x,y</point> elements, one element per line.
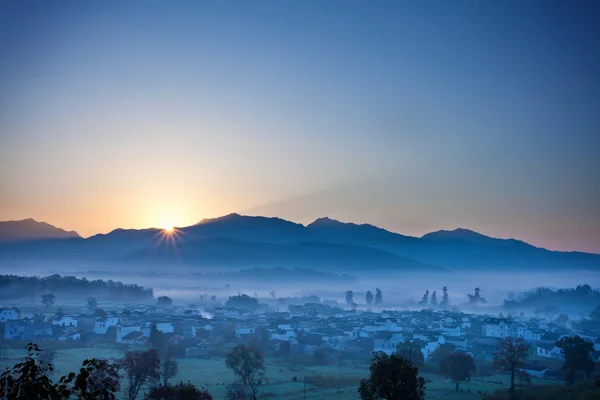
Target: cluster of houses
<point>304,330</point>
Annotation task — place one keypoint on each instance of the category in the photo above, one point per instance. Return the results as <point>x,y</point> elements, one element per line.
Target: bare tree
<point>509,355</point>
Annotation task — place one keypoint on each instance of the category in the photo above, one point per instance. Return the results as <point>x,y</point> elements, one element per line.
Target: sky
<point>411,115</point>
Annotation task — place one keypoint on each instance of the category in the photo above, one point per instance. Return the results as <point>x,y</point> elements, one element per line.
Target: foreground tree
<point>425,298</point>
<point>510,354</point>
<point>458,367</point>
<point>181,391</point>
<point>411,351</point>
<point>392,378</point>
<point>578,358</point>
<point>378,297</point>
<point>141,368</point>
<point>369,297</point>
<point>29,380</point>
<point>248,364</point>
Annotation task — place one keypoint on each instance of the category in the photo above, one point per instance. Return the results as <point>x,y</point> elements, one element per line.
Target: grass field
<point>336,382</point>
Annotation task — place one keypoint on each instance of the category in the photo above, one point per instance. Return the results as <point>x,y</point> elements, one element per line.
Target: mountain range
<point>30,229</point>
<point>237,241</point>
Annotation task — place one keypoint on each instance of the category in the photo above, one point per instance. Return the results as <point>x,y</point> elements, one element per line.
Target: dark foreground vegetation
<point>19,287</point>
<point>147,374</point>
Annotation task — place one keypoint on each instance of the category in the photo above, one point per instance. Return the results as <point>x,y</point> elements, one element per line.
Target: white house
<point>65,320</point>
<point>9,314</point>
<point>101,325</point>
<point>124,330</point>
<point>549,350</point>
<point>70,336</point>
<point>243,332</point>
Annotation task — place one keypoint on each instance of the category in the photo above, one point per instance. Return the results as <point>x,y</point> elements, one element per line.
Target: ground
<point>336,382</point>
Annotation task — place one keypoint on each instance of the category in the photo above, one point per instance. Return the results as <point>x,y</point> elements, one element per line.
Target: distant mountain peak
<point>324,221</point>
<point>30,229</point>
<point>458,233</point>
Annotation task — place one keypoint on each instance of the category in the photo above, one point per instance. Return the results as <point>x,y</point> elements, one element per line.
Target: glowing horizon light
<point>169,228</point>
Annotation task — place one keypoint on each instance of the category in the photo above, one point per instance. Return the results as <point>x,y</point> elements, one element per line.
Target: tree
<point>164,301</point>
<point>243,302</point>
<point>578,357</point>
<point>92,302</point>
<point>392,378</point>
<point>349,297</point>
<point>168,368</point>
<point>378,297</point>
<point>509,356</point>
<point>181,391</point>
<point>369,297</point>
<point>99,312</point>
<point>273,294</point>
<point>38,318</point>
<point>445,296</point>
<point>458,367</point>
<point>48,300</point>
<point>30,379</point>
<point>411,351</point>
<point>248,365</point>
<point>141,368</point>
<point>433,300</point>
<point>425,298</point>
<point>157,339</point>
<point>213,298</point>
<point>476,298</point>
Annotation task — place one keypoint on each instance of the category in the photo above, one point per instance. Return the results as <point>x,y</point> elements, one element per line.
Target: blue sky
<point>414,116</point>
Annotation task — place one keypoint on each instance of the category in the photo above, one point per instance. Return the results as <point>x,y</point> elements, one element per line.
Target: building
<point>9,314</point>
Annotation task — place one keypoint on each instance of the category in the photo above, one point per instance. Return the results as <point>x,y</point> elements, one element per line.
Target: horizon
<point>304,224</point>
<point>408,116</point>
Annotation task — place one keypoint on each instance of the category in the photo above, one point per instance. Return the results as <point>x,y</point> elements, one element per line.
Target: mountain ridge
<point>456,249</point>
<point>30,229</point>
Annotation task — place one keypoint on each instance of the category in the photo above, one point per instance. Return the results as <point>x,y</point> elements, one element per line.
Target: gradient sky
<point>414,116</point>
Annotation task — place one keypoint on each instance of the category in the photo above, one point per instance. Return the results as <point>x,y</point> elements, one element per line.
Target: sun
<point>168,228</point>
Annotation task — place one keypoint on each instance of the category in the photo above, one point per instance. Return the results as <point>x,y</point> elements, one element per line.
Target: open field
<point>284,380</point>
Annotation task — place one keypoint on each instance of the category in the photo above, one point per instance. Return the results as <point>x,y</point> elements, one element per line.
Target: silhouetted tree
<point>48,300</point>
<point>141,368</point>
<point>578,357</point>
<point>411,351</point>
<point>425,298</point>
<point>213,298</point>
<point>476,298</point>
<point>29,380</point>
<point>181,391</point>
<point>164,301</point>
<point>445,296</point>
<point>349,297</point>
<point>433,300</point>
<point>92,302</point>
<point>378,297</point>
<point>39,318</point>
<point>392,378</point>
<point>509,356</point>
<point>273,294</point>
<point>458,367</point>
<point>242,301</point>
<point>369,297</point>
<point>248,365</point>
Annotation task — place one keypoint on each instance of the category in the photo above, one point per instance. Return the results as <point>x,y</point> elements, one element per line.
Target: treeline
<point>545,296</point>
<point>14,286</point>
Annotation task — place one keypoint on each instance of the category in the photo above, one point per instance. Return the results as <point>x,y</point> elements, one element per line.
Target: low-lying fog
<point>403,288</point>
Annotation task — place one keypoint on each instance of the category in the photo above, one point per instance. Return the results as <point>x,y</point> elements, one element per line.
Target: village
<point>313,333</point>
